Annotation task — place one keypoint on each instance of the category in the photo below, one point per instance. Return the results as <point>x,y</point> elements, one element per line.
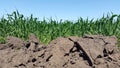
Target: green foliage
<point>17,25</point>
<point>2,40</point>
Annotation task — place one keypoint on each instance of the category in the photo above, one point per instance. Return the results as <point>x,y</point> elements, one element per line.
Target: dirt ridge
<point>90,51</point>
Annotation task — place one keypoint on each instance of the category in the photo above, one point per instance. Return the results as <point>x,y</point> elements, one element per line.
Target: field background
<point>15,24</point>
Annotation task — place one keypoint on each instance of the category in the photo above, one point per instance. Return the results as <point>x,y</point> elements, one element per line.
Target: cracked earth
<point>90,51</point>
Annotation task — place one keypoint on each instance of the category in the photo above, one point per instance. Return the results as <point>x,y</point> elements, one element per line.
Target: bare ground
<point>92,51</point>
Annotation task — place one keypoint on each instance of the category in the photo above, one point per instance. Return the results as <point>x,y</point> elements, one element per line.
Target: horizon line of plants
<point>46,30</point>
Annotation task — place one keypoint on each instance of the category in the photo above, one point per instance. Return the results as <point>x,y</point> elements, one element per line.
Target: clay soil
<point>92,51</point>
